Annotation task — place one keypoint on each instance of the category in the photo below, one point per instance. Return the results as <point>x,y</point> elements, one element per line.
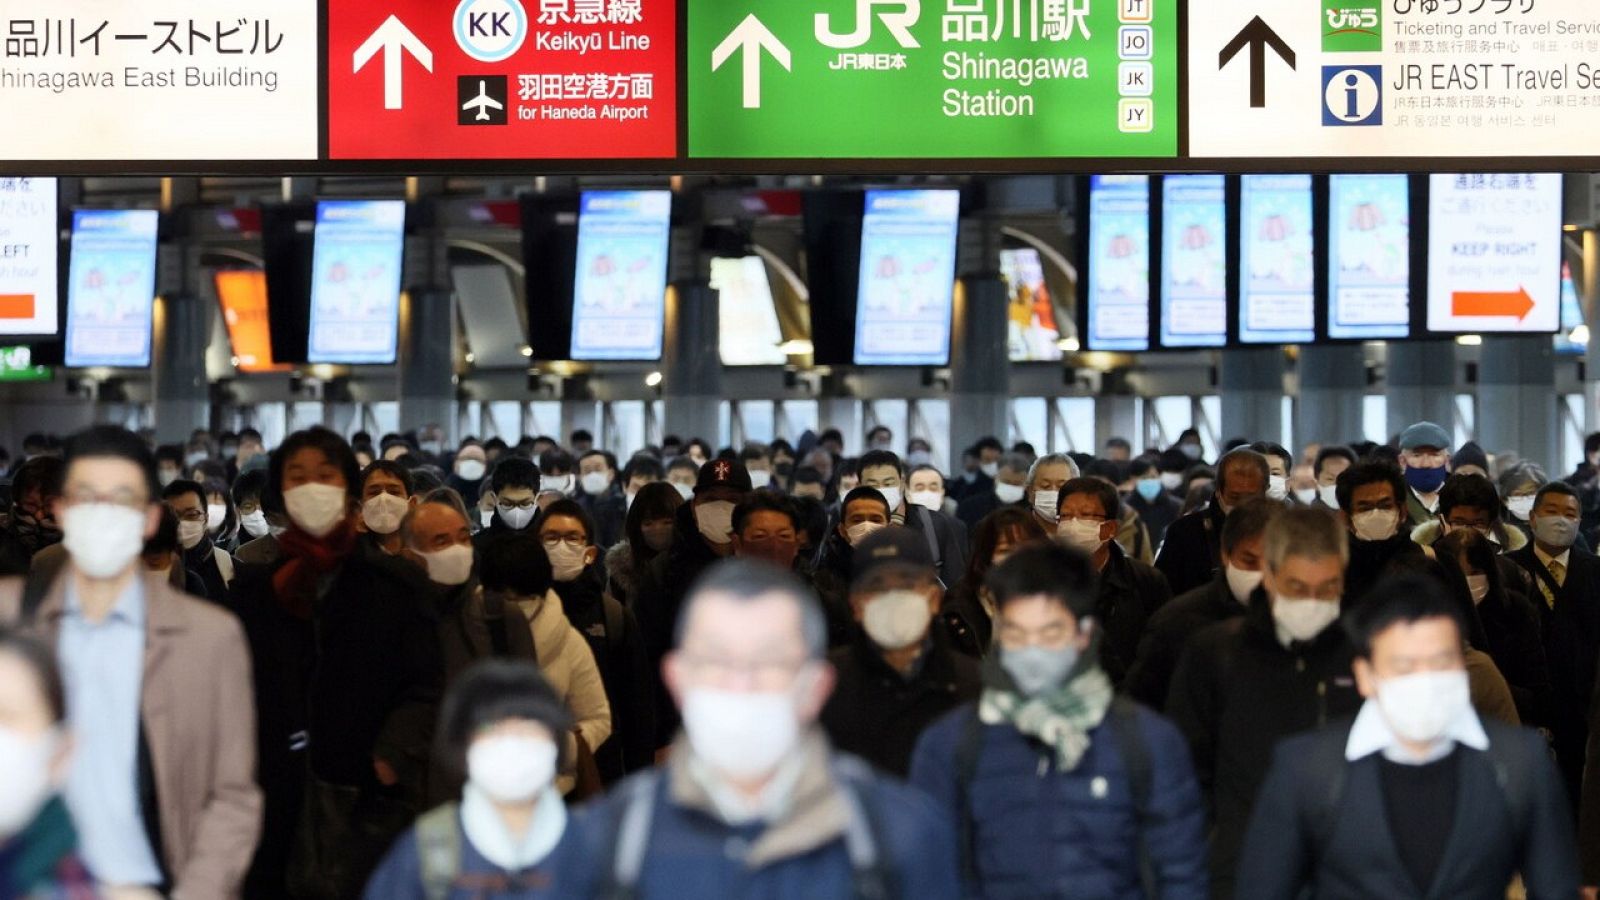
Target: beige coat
<point>198,715</point>
<point>569,666</point>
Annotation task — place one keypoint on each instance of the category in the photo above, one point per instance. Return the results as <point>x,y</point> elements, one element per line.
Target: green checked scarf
<point>1061,718</point>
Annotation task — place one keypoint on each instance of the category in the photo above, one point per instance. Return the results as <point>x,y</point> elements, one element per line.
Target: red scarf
<point>308,559</point>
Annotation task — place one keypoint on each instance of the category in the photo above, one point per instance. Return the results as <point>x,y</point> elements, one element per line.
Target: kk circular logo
<point>491,30</point>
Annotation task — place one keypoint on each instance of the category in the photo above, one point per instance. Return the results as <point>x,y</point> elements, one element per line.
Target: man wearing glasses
<point>751,800</point>
<point>514,484</point>
<point>1088,516</point>
<point>162,785</point>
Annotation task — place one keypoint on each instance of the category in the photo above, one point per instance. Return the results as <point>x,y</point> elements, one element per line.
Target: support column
<point>579,413</point>
<point>1333,383</point>
<point>1421,384</point>
<point>1252,394</point>
<point>691,363</point>
<point>1116,415</point>
<point>845,414</point>
<point>427,366</point>
<point>980,374</point>
<point>1516,389</point>
<point>180,330</point>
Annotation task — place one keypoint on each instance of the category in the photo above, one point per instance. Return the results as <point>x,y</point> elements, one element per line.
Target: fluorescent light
<point>1470,340</point>
<point>527,351</point>
<point>1067,345</point>
<point>1579,335</point>
<point>797,347</point>
<point>652,380</point>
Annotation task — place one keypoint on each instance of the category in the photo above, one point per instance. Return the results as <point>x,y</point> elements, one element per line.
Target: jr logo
<point>904,14</point>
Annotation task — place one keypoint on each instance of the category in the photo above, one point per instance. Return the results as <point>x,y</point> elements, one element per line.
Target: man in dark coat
<point>944,536</point>
<point>1372,501</point>
<point>1417,798</point>
<point>901,673</point>
<point>1191,553</point>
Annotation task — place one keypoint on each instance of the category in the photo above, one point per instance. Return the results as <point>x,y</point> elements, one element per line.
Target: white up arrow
<point>392,37</point>
<point>751,36</point>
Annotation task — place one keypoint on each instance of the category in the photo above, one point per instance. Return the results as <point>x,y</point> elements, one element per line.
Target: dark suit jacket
<point>1292,845</point>
<point>1192,552</point>
<point>1572,650</point>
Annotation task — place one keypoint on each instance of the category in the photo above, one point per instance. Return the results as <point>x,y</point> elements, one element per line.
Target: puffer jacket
<point>1039,832</point>
<point>568,664</point>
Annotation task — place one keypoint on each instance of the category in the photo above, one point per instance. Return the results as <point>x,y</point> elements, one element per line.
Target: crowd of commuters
<point>394,669</point>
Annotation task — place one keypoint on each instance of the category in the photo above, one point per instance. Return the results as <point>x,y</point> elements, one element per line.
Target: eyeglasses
<point>771,674</point>
<point>121,497</point>
<point>575,541</point>
<point>191,515</point>
<point>509,505</point>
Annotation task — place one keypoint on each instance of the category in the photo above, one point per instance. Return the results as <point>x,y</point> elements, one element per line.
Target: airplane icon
<point>482,103</point>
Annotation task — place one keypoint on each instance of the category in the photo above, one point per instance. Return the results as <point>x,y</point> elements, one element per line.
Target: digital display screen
<point>1194,261</point>
<point>747,319</point>
<point>355,282</point>
<point>243,297</point>
<point>1277,260</point>
<point>16,365</point>
<point>1369,257</point>
<point>1494,253</point>
<point>111,288</point>
<point>1119,262</point>
<point>620,298</point>
<point>908,275</point>
<point>29,286</point>
<point>1031,331</point>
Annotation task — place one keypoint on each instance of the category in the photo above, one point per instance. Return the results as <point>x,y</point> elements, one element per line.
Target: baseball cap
<point>723,473</point>
<point>894,546</point>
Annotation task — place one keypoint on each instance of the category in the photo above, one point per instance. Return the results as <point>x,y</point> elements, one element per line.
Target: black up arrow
<point>1258,35</point>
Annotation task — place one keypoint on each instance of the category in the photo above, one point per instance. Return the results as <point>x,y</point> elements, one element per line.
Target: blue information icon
<point>1352,95</point>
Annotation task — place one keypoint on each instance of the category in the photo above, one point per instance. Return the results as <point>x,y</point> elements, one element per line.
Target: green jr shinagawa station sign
<point>932,79</point>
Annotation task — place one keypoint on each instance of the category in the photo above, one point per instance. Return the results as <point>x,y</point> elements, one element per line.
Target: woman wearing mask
<point>515,566</point>
<point>466,474</point>
<point>968,608</point>
<point>613,635</point>
<point>348,675</point>
<point>38,843</point>
<point>222,520</point>
<point>648,528</point>
<point>187,500</point>
<point>1517,486</point>
<point>501,728</point>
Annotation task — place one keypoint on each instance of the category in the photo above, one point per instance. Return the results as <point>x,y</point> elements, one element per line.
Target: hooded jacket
<point>618,649</point>
<point>568,664</point>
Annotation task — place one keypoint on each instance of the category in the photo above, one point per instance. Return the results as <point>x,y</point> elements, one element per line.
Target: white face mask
<point>893,496</point>
<point>1376,524</point>
<point>1242,583</point>
<point>511,768</point>
<point>1557,531</point>
<point>566,561</point>
<point>255,524</point>
<point>471,469</point>
<point>451,566</point>
<point>1303,619</point>
<point>382,513</point>
<point>1521,506</point>
<point>517,518</point>
<point>715,521</point>
<point>741,734</point>
<point>103,539</point>
<point>990,469</point>
<point>1045,503</point>
<point>896,619</point>
<point>1008,493</point>
<point>1422,707</point>
<point>1305,495</point>
<point>596,483</point>
<point>25,761</point>
<point>933,500</point>
<point>919,458</point>
<point>315,508</point>
<point>190,533</point>
<point>485,517</point>
<point>564,485</point>
<point>760,479</point>
<point>1277,487</point>
<point>1478,586</point>
<point>1080,534</point>
<point>858,532</point>
<point>1172,480</point>
<point>1330,495</point>
<point>686,491</point>
<point>216,514</point>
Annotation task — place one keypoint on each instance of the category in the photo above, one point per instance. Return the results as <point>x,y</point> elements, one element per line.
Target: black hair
<point>878,458</point>
<point>1483,555</point>
<point>165,540</point>
<point>1591,444</point>
<point>1557,487</point>
<point>556,460</point>
<point>1047,568</point>
<point>1470,491</point>
<point>1101,490</point>
<point>582,434</point>
<point>249,485</point>
<point>572,508</point>
<point>863,493</point>
<point>682,462</point>
<point>1271,448</point>
<point>37,656</point>
<point>877,428</point>
<point>647,466</point>
<point>656,500</point>
<point>329,445</point>
<point>1138,468</point>
<point>42,472</point>
<point>1118,443</point>
<point>492,691</point>
<point>1400,600</point>
<point>1008,521</point>
<point>393,470</point>
<point>250,434</point>
<point>988,443</point>
<point>113,442</point>
<point>754,451</point>
<point>831,434</point>
<point>515,562</point>
<point>514,471</point>
<point>426,479</point>
<point>170,453</point>
<point>1247,520</point>
<point>764,501</point>
<point>1335,451</point>
<point>1367,472</point>
<point>1110,470</point>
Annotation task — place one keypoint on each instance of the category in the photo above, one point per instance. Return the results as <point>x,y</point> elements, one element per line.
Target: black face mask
<point>783,470</point>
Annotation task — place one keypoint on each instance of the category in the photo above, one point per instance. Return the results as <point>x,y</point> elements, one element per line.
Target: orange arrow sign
<point>1516,304</point>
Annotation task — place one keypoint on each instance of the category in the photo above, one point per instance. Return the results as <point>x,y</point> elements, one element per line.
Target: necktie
<point>1558,573</point>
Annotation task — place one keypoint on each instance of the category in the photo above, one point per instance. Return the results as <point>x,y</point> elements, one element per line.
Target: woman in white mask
<point>35,750</point>
<point>968,606</point>
<point>467,472</point>
<point>325,624</point>
<point>649,530</point>
<point>502,730</point>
